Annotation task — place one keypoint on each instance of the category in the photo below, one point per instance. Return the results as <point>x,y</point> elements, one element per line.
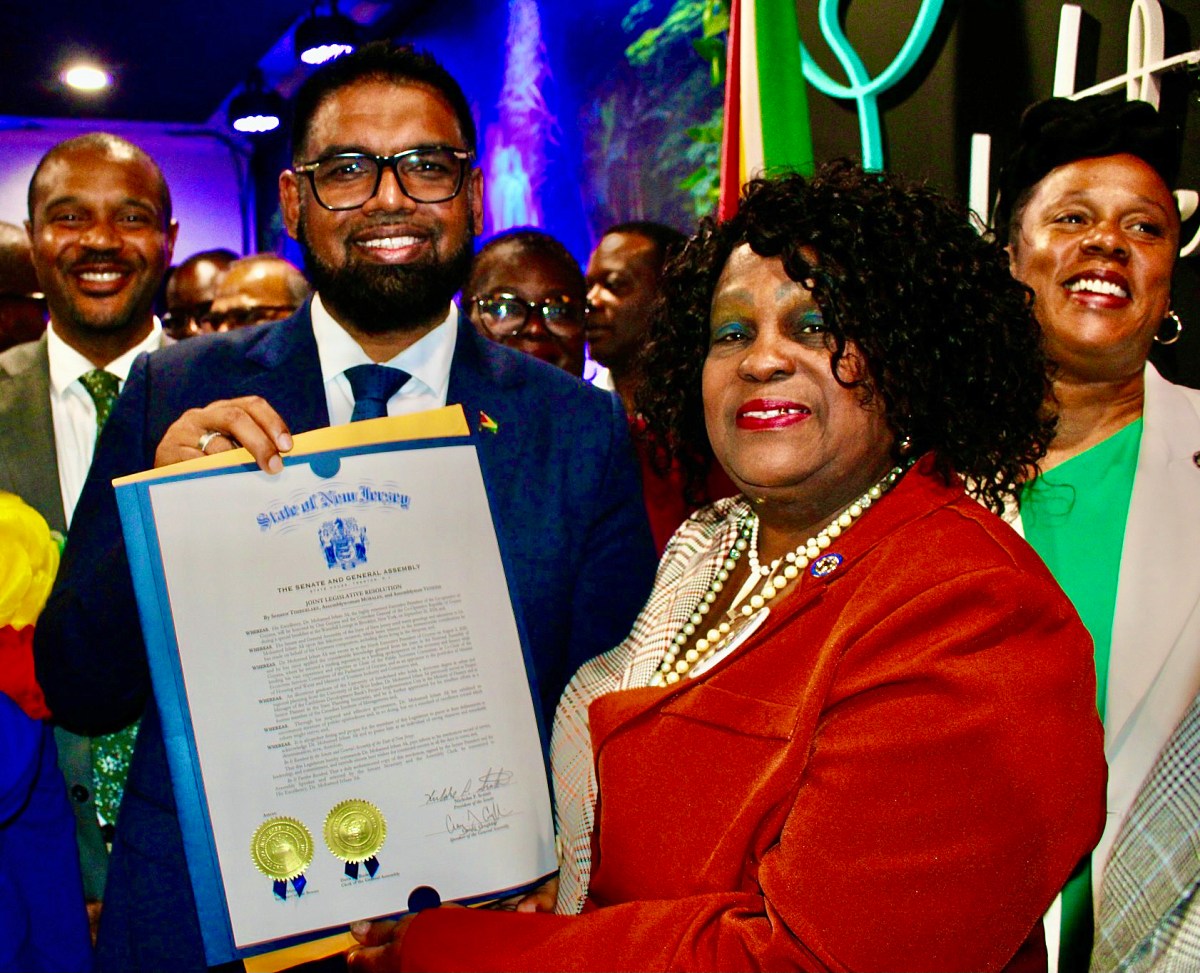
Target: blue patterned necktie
<point>373,385</point>
<point>112,752</point>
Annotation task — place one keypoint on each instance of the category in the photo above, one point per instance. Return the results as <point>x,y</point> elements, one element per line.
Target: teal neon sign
<point>862,87</point>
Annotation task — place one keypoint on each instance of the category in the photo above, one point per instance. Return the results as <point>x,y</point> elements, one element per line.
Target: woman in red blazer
<point>855,725</point>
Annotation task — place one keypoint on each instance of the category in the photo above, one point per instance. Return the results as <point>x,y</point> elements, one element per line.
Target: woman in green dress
<point>1093,229</point>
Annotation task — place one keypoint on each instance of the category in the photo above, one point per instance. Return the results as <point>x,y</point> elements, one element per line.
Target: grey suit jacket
<point>29,468</point>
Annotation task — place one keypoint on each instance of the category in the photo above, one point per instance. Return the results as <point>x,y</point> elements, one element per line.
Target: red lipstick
<point>771,414</point>
<point>1099,288</point>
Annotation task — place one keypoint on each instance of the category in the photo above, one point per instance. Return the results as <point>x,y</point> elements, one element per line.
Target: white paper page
<point>360,644</point>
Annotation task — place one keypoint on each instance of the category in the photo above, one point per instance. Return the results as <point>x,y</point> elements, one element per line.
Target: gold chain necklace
<point>742,612</point>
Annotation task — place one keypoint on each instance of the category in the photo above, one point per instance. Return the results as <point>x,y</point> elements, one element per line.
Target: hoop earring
<point>1171,316</point>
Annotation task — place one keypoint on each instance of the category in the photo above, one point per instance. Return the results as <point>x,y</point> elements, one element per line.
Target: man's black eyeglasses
<point>349,179</point>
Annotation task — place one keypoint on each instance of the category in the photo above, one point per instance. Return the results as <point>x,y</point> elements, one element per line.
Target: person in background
<point>102,235</point>
<point>854,726</point>
<point>624,287</point>
<point>1091,226</point>
<point>255,290</point>
<point>190,290</point>
<point>387,231</point>
<point>525,290</point>
<point>22,303</point>
<point>623,277</point>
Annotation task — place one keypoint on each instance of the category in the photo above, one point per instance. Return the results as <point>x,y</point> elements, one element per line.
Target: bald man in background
<point>255,290</point>
<point>22,304</point>
<point>190,292</point>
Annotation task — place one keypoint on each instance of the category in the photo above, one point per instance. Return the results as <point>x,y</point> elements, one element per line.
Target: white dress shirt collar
<point>74,413</point>
<point>426,360</point>
<point>67,364</point>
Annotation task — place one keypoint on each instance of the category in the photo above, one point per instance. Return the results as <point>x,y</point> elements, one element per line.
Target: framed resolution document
<point>343,689</point>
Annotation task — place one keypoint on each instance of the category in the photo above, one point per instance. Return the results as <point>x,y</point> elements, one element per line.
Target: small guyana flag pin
<point>487,423</point>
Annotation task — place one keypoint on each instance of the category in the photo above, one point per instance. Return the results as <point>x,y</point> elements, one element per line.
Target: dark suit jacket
<point>563,487</point>
<point>29,468</point>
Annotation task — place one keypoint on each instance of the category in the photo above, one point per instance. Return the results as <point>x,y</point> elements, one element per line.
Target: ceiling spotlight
<point>255,110</point>
<point>86,77</point>
<point>322,38</point>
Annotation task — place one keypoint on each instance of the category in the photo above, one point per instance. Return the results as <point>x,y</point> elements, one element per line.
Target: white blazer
<point>1154,669</point>
<point>1154,664</point>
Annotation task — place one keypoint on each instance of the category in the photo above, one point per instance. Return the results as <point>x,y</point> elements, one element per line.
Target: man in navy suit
<point>384,201</point>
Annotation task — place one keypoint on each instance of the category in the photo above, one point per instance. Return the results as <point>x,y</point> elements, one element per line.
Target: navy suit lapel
<point>285,369</point>
<point>483,378</point>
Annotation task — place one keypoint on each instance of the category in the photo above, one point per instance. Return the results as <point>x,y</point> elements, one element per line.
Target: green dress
<point>1074,516</point>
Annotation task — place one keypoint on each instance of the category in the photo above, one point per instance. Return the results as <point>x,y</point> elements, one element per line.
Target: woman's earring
<point>1178,329</point>
<point>904,446</point>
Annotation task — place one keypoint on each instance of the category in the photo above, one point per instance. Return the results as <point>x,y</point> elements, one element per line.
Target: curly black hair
<point>951,345</point>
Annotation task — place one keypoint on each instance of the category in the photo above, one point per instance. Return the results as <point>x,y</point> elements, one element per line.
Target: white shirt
<point>598,375</point>
<point>74,412</point>
<point>426,360</point>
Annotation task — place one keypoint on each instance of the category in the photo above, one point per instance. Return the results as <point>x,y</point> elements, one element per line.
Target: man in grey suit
<point>102,237</point>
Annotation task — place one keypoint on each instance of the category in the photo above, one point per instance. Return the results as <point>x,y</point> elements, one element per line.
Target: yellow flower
<point>28,561</point>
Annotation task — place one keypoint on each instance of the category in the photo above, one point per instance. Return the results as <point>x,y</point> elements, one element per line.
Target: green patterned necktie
<point>103,387</point>
<point>111,753</point>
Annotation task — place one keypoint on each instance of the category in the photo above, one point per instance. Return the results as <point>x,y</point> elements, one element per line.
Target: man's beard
<point>378,298</point>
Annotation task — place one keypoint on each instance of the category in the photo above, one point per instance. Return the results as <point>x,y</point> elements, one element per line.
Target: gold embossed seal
<point>282,848</point>
<point>355,830</point>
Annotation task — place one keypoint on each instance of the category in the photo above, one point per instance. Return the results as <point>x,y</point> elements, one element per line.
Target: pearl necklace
<point>742,612</point>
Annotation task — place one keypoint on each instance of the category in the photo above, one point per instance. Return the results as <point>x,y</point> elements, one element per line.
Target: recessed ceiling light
<point>86,77</point>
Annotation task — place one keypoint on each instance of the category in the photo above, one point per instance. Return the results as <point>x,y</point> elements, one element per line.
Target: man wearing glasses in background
<point>190,290</point>
<point>385,204</point>
<point>525,290</point>
<point>255,290</point>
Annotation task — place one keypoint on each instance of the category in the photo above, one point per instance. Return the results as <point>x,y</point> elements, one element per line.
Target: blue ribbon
<point>298,884</point>
<point>372,865</point>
